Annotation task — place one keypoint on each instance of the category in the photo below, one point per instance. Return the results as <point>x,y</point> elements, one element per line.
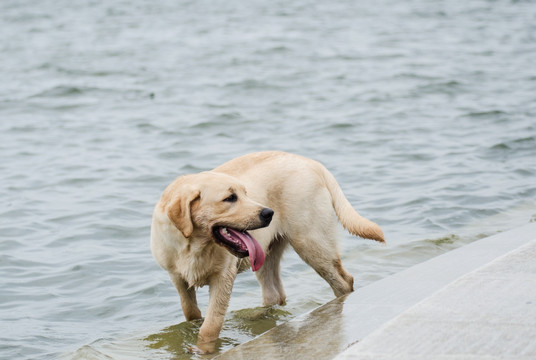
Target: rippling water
<point>424,111</point>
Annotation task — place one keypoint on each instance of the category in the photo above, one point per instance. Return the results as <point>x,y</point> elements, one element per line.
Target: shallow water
<point>425,113</point>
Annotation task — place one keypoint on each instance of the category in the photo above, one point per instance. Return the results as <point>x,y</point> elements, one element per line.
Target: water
<point>424,111</point>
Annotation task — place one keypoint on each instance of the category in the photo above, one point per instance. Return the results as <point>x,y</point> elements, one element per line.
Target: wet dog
<point>207,227</point>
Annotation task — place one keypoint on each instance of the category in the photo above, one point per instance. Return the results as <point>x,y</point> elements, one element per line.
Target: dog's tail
<point>349,218</point>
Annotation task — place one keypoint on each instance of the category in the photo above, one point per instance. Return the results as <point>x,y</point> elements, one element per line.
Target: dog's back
<point>299,190</point>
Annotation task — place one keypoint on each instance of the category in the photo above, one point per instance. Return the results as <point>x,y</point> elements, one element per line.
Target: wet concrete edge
<point>330,329</point>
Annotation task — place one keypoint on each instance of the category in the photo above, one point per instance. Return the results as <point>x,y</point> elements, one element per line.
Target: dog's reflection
<point>243,325</point>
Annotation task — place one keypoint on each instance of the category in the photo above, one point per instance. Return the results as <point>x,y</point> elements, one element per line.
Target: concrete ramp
<point>477,302</point>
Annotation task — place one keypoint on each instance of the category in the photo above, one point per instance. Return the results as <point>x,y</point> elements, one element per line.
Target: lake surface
<point>424,111</point>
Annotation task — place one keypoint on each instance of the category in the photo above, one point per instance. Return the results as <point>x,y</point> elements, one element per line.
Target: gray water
<point>425,111</point>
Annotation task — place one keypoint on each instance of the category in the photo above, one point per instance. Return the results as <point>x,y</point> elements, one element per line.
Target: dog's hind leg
<point>269,274</point>
<point>319,250</point>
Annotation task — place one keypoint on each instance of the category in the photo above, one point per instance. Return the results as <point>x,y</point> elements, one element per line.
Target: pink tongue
<point>256,253</point>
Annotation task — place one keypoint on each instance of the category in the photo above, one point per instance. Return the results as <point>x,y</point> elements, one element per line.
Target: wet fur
<point>307,201</point>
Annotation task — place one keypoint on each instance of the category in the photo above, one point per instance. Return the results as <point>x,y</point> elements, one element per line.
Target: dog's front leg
<point>221,286</point>
<point>188,299</point>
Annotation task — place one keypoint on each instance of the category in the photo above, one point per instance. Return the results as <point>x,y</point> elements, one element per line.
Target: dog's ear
<point>178,210</point>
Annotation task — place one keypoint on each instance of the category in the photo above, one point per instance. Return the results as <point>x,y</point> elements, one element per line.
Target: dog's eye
<point>231,198</point>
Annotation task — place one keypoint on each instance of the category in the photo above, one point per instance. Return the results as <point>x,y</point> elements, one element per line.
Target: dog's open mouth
<point>240,244</point>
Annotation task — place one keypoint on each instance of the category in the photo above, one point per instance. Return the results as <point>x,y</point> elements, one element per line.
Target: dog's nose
<point>266,215</point>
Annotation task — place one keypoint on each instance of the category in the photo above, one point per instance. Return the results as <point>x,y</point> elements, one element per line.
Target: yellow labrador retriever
<point>207,227</point>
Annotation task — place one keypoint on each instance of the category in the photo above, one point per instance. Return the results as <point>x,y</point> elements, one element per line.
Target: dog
<point>208,227</point>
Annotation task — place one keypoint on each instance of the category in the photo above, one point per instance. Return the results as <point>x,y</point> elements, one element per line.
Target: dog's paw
<point>202,348</point>
<point>195,350</point>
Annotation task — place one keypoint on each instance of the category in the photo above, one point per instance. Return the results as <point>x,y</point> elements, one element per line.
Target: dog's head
<point>215,207</point>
